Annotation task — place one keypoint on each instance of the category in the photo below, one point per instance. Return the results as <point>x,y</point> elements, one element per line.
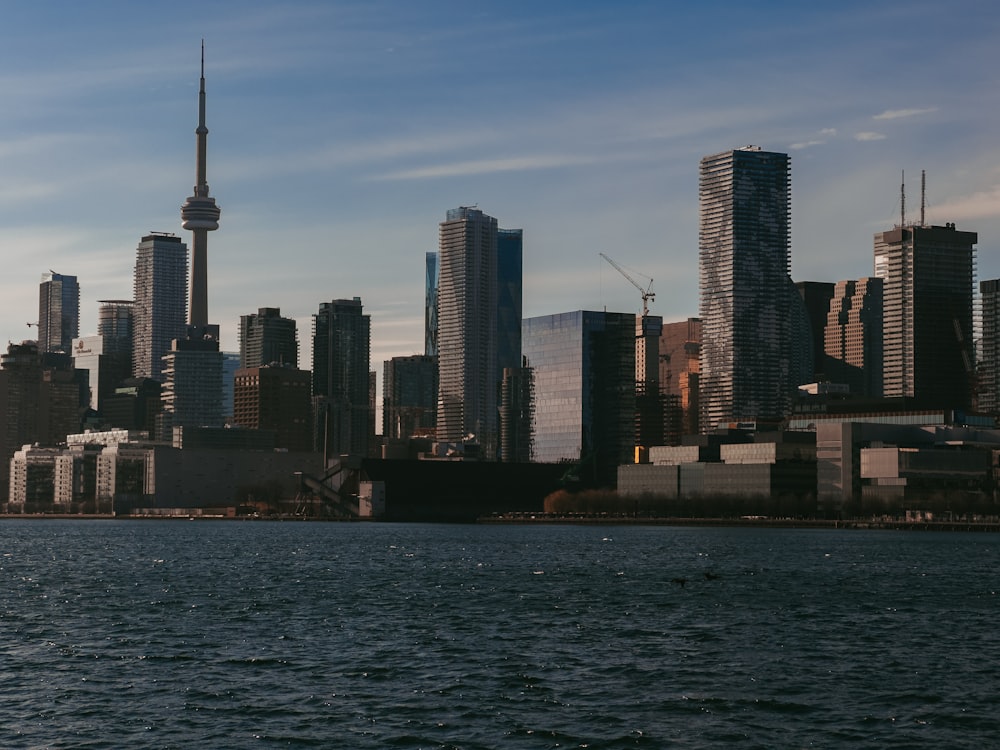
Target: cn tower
<point>200,214</point>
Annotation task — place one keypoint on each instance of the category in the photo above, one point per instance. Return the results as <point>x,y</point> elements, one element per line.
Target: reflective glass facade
<point>430,304</point>
<point>744,262</point>
<point>583,373</point>
<point>509,269</point>
<point>58,312</point>
<point>341,378</point>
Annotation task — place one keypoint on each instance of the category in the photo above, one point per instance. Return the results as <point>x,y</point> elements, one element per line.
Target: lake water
<point>175,634</point>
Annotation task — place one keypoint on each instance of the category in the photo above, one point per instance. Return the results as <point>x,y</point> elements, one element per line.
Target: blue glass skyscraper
<point>583,372</point>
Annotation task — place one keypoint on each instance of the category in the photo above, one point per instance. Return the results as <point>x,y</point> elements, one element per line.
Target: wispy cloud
<point>985,203</point>
<point>489,166</point>
<point>805,144</point>
<point>895,114</point>
<point>869,136</point>
<point>828,132</point>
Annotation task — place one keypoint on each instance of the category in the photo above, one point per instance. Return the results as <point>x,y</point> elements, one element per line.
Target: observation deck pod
<point>336,490</point>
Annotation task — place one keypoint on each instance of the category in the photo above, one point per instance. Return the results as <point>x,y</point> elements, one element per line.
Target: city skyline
<point>588,129</point>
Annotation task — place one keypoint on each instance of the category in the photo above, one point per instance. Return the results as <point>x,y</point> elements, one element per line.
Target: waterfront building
<point>988,394</point>
<point>266,337</point>
<point>853,336</point>
<point>409,396</point>
<point>744,260</point>
<point>467,329</point>
<point>340,377</point>
<point>39,401</point>
<point>583,373</point>
<point>159,314</point>
<point>277,398</point>
<point>58,312</point>
<point>928,281</point>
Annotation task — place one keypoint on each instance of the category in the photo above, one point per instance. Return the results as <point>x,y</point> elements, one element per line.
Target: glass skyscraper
<point>510,249</point>
<point>58,312</point>
<point>341,378</point>
<point>582,367</point>
<point>467,329</point>
<point>744,261</point>
<point>160,311</point>
<point>430,304</point>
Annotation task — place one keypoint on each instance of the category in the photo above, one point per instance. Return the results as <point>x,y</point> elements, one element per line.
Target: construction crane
<point>647,293</point>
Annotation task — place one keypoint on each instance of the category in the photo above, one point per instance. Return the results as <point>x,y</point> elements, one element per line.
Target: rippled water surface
<point>225,634</point>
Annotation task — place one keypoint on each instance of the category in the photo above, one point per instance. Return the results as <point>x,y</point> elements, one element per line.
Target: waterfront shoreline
<point>559,519</point>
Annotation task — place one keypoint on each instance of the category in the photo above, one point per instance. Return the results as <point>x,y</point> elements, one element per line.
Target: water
<point>177,634</point>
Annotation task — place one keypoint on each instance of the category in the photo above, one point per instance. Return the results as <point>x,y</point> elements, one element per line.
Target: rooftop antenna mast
<point>902,199</point>
<point>923,194</point>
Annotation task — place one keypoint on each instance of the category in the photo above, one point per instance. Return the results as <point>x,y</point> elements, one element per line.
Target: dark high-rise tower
<point>267,338</point>
<point>744,260</point>
<point>928,282</point>
<point>341,382</point>
<point>200,214</point>
<point>58,312</point>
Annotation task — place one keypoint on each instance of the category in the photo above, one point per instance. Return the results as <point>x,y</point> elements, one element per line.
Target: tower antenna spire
<point>200,214</point>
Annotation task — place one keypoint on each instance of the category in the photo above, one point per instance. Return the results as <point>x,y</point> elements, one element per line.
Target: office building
<point>39,401</point>
<point>106,369</point>
<point>430,304</point>
<point>510,251</point>
<point>853,336</point>
<point>467,329</point>
<point>115,325</point>
<point>192,385</point>
<point>409,396</point>
<point>340,377</point>
<point>816,296</point>
<point>517,402</point>
<point>928,280</point>
<point>230,365</point>
<point>680,364</point>
<point>988,394</point>
<point>266,337</point>
<point>276,398</point>
<point>58,312</point>
<point>159,314</point>
<point>744,260</point>
<point>582,378</point>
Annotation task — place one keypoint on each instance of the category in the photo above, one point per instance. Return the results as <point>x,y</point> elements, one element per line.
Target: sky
<point>341,133</point>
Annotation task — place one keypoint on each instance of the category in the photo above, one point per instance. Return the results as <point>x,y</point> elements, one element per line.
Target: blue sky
<point>341,132</point>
